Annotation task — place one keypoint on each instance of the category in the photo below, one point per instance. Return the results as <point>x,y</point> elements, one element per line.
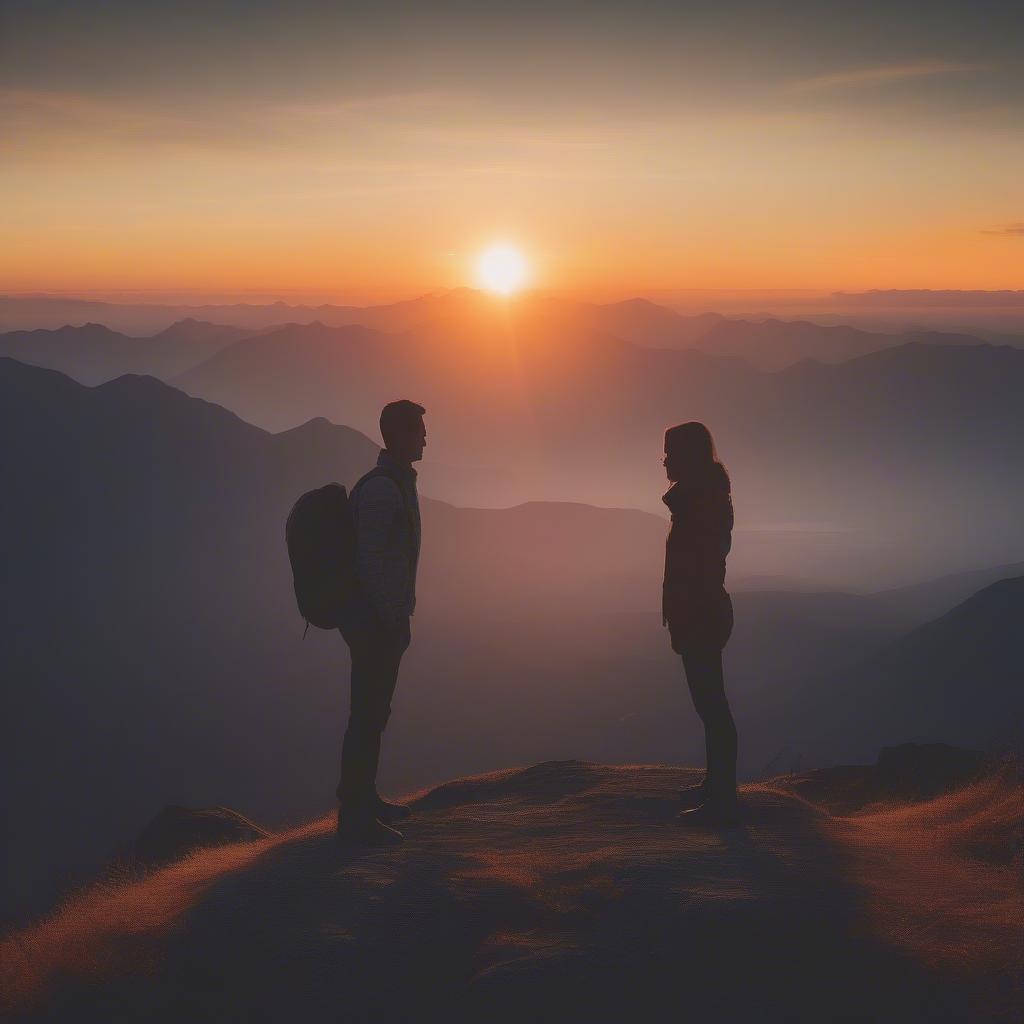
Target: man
<point>376,623</point>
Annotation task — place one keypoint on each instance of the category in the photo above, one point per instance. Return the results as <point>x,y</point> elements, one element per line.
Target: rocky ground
<point>566,891</point>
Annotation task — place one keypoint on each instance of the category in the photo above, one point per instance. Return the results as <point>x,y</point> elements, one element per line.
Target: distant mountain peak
<point>1002,594</point>
<point>637,302</point>
<point>190,328</point>
<point>89,329</point>
<point>316,425</point>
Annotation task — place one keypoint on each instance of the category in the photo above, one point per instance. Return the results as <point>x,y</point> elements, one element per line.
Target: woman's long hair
<point>691,459</point>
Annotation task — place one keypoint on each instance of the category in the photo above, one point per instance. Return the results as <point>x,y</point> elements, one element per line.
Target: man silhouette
<point>376,622</point>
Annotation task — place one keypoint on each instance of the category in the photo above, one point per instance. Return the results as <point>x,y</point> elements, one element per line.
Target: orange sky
<point>322,154</point>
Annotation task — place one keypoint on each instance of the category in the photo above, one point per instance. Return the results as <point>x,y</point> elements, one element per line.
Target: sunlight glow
<point>501,269</point>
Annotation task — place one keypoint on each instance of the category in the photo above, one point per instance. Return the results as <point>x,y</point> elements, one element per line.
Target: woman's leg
<point>707,688</point>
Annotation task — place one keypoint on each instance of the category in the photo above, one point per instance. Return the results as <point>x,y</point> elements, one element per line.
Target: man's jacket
<point>387,518</point>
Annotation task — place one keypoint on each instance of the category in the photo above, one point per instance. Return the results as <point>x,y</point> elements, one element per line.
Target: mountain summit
<point>563,891</point>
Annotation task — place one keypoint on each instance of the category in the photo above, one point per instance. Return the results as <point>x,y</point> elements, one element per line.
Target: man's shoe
<point>712,814</point>
<point>366,831</point>
<point>390,813</point>
<point>693,796</point>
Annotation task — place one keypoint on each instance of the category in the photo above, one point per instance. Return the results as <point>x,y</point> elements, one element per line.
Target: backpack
<point>320,533</point>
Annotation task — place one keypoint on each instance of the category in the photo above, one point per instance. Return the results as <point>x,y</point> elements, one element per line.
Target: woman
<point>697,609</point>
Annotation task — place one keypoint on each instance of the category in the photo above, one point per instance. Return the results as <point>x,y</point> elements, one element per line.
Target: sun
<point>502,269</point>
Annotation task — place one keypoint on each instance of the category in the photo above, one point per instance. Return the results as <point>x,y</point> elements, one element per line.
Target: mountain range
<point>152,639</point>
<point>766,342</point>
<point>550,399</point>
<point>93,353</point>
<point>867,448</point>
<point>969,661</point>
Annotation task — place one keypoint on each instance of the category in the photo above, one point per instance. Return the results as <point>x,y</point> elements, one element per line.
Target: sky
<point>375,149</point>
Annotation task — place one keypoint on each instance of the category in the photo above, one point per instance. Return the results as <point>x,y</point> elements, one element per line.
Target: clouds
<point>1007,230</point>
<point>882,75</point>
<point>309,51</point>
<point>859,141</point>
<point>32,116</point>
<point>41,122</point>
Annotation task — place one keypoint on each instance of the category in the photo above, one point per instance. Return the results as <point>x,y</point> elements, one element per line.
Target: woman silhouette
<point>697,609</point>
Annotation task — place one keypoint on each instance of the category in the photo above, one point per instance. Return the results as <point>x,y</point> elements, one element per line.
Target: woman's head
<point>690,454</point>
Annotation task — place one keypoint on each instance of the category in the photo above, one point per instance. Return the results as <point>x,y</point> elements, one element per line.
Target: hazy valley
<point>153,636</point>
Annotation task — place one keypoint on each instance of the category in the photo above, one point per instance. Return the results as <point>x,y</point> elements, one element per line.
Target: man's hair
<point>399,417</point>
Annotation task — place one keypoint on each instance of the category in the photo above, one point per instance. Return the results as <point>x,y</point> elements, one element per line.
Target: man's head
<point>401,426</point>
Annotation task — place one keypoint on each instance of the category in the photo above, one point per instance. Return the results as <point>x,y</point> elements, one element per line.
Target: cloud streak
<point>52,120</point>
<point>1007,230</point>
<point>882,75</point>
